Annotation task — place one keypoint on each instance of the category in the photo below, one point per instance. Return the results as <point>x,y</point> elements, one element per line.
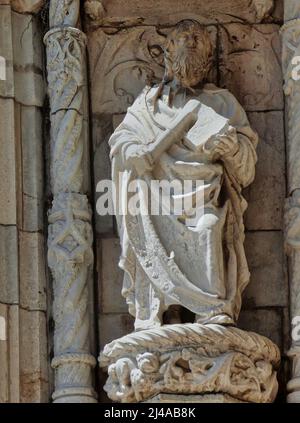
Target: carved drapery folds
<point>291,50</point>
<point>70,254</point>
<point>166,355</point>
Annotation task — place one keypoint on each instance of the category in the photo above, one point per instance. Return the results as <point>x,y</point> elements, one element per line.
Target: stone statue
<point>201,268</point>
<point>171,265</point>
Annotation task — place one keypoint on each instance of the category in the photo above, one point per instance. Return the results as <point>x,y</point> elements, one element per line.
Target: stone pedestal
<point>191,362</point>
<point>194,399</point>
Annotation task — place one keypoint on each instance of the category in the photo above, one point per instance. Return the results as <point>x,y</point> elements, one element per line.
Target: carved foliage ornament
<point>108,12</point>
<point>65,68</point>
<point>191,359</point>
<point>185,372</point>
<point>121,64</point>
<point>65,49</point>
<point>69,255</point>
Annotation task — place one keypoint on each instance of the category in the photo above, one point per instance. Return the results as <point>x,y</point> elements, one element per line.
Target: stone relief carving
<point>170,264</point>
<point>249,55</point>
<point>150,12</point>
<point>94,9</point>
<point>189,359</point>
<point>122,62</point>
<point>65,78</point>
<point>70,255</point>
<point>126,59</point>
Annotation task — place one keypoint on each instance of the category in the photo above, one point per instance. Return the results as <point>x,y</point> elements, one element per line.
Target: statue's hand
<point>140,160</point>
<point>226,144</point>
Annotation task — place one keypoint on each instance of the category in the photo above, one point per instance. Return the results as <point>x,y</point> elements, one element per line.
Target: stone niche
<point>125,52</point>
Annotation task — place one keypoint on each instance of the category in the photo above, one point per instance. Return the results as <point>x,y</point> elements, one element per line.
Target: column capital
<point>64,31</point>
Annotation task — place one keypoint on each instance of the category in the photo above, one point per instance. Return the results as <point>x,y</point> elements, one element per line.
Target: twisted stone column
<point>291,58</point>
<point>70,255</point>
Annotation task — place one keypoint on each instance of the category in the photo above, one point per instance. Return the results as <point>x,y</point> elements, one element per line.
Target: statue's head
<point>188,53</point>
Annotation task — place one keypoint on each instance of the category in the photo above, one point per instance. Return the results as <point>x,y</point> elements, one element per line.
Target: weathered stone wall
<point>24,368</point>
<point>123,45</point>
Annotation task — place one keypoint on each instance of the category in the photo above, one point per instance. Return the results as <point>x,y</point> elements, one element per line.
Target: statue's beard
<point>189,69</point>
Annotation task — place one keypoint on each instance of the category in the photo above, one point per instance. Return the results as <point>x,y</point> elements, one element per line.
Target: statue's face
<point>188,54</point>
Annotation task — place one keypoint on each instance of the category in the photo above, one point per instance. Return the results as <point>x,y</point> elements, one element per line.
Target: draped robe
<point>167,262</point>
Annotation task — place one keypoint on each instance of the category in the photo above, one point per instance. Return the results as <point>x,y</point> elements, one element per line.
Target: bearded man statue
<point>169,264</point>
<point>186,130</point>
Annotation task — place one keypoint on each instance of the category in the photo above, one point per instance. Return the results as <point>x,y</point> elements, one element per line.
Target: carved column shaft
<point>291,50</point>
<point>70,255</point>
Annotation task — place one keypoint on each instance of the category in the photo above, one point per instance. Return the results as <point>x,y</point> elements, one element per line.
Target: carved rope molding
<point>70,254</point>
<point>291,49</point>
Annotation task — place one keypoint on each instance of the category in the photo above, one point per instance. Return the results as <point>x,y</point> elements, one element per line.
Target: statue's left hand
<point>140,161</point>
<point>226,144</point>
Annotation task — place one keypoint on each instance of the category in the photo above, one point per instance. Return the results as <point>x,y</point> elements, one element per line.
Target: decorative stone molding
<point>291,49</point>
<point>65,79</point>
<point>189,359</point>
<point>70,254</point>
